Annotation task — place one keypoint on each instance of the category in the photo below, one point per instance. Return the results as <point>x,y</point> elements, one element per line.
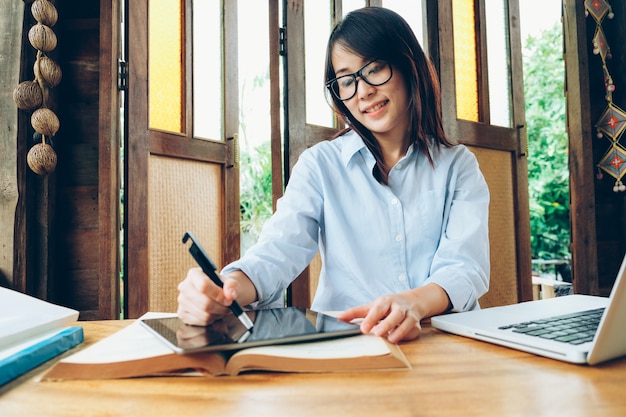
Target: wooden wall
<point>76,220</point>
<point>67,224</point>
<point>11,20</point>
<point>610,213</point>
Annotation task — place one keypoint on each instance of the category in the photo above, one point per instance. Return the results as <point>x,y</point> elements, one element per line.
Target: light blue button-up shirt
<point>428,226</point>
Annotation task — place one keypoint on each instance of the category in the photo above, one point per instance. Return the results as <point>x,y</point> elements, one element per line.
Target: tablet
<point>271,327</point>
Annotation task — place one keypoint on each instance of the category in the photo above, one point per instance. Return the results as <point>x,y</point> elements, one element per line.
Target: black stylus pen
<point>208,267</point>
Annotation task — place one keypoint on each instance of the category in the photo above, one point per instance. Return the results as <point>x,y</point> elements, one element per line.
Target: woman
<point>397,211</point>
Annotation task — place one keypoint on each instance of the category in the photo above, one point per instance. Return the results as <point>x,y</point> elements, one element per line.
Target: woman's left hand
<point>391,316</point>
<point>397,316</point>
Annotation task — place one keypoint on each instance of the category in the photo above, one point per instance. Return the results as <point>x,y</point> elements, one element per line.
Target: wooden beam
<point>582,170</point>
<point>11,23</point>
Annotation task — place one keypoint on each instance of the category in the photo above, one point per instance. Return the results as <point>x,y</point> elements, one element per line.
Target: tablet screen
<point>271,327</point>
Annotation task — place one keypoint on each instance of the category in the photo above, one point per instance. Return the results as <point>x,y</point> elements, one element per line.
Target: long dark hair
<point>379,33</point>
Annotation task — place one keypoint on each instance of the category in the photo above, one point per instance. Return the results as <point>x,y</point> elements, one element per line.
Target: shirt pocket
<point>430,208</point>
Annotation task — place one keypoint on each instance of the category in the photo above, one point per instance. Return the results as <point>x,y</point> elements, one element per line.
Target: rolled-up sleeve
<point>289,239</point>
<point>461,263</point>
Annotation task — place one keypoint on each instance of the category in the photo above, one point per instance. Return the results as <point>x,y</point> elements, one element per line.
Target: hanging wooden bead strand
<point>33,95</point>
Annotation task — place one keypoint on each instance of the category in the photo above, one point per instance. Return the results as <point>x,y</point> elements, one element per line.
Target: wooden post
<point>11,21</point>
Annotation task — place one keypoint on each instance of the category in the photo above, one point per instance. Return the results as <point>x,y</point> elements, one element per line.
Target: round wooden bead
<point>44,12</point>
<point>42,159</point>
<point>45,121</point>
<point>42,38</point>
<point>28,95</point>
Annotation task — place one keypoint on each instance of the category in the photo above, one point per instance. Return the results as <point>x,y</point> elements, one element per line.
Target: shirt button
<point>394,201</point>
<point>402,278</point>
<point>398,238</point>
<point>398,166</point>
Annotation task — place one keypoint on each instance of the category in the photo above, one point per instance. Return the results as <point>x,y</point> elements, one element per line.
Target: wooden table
<point>450,376</point>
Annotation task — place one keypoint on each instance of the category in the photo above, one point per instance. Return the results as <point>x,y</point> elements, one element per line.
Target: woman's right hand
<point>201,301</point>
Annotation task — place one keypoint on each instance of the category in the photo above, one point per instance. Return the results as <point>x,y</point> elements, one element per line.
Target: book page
<point>342,348</point>
<point>130,343</point>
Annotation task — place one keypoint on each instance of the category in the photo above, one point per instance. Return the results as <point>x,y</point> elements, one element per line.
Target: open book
<point>135,352</point>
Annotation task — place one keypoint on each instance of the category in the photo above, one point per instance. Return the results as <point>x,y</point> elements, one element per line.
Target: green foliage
<point>256,189</point>
<point>548,175</point>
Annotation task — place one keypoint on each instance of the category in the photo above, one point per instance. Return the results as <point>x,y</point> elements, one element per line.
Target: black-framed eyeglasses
<point>374,73</point>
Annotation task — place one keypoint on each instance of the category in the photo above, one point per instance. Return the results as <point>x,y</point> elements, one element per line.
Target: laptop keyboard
<point>575,328</point>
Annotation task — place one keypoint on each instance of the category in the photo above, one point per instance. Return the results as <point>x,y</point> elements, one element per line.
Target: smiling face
<point>383,109</point>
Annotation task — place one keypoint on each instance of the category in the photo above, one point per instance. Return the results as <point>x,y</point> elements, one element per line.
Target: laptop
<point>543,327</point>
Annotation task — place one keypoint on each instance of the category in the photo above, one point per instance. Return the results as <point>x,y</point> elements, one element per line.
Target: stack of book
<point>32,331</point>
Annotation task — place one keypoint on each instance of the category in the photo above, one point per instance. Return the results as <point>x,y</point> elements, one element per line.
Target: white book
<point>23,316</point>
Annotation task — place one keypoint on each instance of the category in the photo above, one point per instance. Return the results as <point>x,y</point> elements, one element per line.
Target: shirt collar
<point>353,144</point>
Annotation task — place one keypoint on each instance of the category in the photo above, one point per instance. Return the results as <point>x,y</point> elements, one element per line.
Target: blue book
<point>20,358</point>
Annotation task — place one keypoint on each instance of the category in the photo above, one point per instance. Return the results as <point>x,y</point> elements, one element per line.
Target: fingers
<point>200,300</point>
<point>390,317</point>
<point>408,329</point>
<point>399,324</point>
<point>230,290</point>
<point>354,313</point>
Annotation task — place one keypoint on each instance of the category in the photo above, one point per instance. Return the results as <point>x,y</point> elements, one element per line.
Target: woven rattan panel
<point>497,168</point>
<point>183,195</point>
